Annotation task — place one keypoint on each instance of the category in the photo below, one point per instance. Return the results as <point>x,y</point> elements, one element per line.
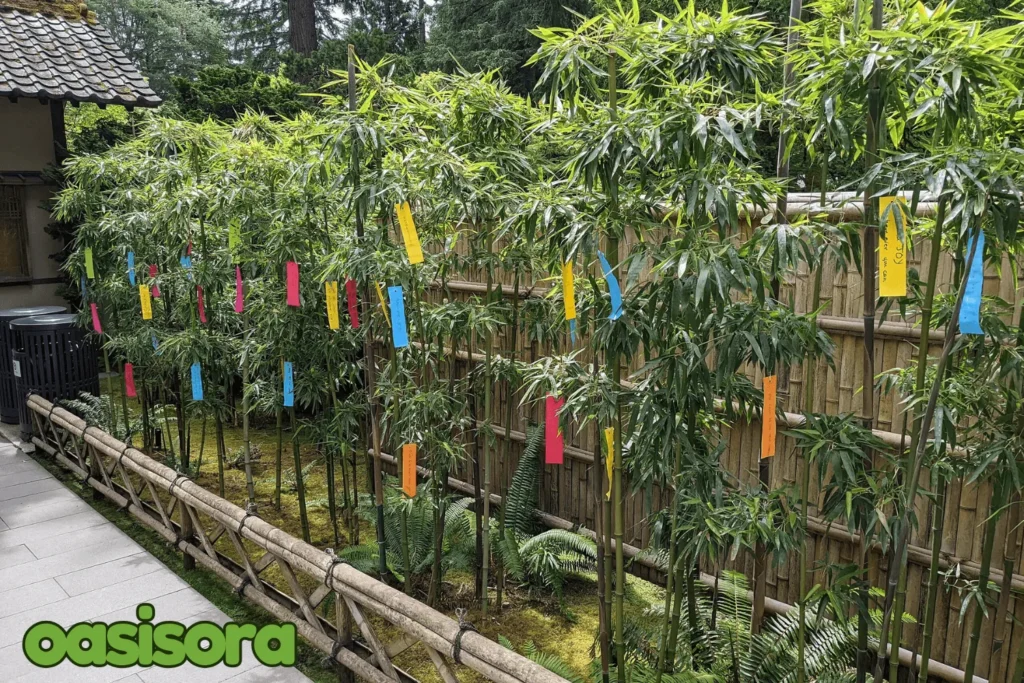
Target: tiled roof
<point>49,53</point>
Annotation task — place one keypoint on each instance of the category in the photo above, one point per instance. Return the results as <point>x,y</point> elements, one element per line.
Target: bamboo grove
<point>641,188</point>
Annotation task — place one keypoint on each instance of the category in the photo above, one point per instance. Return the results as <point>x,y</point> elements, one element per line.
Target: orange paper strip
<point>768,418</point>
<point>409,469</point>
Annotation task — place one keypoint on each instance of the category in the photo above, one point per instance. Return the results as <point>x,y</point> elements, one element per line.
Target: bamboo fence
<point>238,547</point>
<point>568,497</point>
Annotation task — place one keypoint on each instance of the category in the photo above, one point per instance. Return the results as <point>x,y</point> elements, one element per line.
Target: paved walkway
<point>62,561</point>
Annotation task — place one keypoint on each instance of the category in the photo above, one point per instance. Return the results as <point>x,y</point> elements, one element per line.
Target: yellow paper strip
<point>768,418</point>
<point>409,469</point>
<point>408,226</point>
<point>332,303</point>
<point>383,303</point>
<point>609,438</point>
<point>568,291</point>
<point>89,271</point>
<point>234,239</point>
<point>892,252</point>
<point>147,304</point>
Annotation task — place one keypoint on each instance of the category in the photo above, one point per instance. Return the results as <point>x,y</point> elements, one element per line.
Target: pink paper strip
<point>554,442</point>
<point>239,294</point>
<point>353,306</point>
<point>202,307</point>
<point>96,327</point>
<point>293,283</point>
<point>152,274</point>
<point>129,381</point>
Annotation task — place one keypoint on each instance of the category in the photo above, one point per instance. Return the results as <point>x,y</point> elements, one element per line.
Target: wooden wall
<point>569,492</point>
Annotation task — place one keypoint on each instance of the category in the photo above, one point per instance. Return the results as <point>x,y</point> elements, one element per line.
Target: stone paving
<point>62,561</point>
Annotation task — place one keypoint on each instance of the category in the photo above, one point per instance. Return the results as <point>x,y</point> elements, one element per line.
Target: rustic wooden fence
<point>568,492</point>
<point>238,546</point>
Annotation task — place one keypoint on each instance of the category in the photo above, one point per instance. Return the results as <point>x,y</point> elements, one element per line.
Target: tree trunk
<point>302,26</point>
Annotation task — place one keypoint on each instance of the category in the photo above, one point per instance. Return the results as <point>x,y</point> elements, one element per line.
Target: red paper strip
<point>239,292</point>
<point>768,418</point>
<point>409,469</point>
<point>292,277</point>
<point>129,381</point>
<point>188,249</point>
<point>202,307</point>
<point>152,274</point>
<point>353,306</point>
<point>554,442</point>
<point>96,327</point>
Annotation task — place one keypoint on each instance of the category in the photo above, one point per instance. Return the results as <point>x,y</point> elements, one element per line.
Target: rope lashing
<point>335,561</point>
<point>463,627</point>
<point>241,586</point>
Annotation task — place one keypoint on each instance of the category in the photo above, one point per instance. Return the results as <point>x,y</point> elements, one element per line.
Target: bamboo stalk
<point>1011,551</point>
<point>999,493</point>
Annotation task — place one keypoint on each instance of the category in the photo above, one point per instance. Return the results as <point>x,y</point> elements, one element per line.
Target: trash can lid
<point>25,311</point>
<point>56,322</point>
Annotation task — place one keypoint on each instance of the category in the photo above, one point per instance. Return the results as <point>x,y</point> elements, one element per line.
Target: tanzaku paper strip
<point>145,303</point>
<point>568,291</point>
<point>892,252</point>
<point>234,239</point>
<point>197,382</point>
<point>613,287</point>
<point>131,267</point>
<point>289,385</point>
<point>331,289</point>
<point>96,326</point>
<point>970,309</point>
<point>90,271</point>
<point>768,417</point>
<point>129,381</point>
<point>409,469</point>
<point>554,442</point>
<point>292,282</point>
<point>202,304</point>
<point>353,304</point>
<point>408,226</point>
<point>609,461</point>
<point>239,291</point>
<point>156,288</point>
<point>383,303</point>
<point>399,330</point>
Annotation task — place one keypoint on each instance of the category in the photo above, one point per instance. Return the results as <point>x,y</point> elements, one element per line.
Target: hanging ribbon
<point>239,291</point>
<point>152,275</point>
<point>609,461</point>
<point>96,327</point>
<point>331,288</point>
<point>292,282</point>
<point>409,469</point>
<point>554,442</point>
<point>613,287</point>
<point>383,303</point>
<point>197,382</point>
<point>408,226</point>
<point>202,305</point>
<point>768,417</point>
<point>90,272</point>
<point>131,267</point>
<point>129,381</point>
<point>970,309</point>
<point>289,385</point>
<point>399,331</point>
<point>892,252</point>
<point>234,239</point>
<point>353,306</point>
<point>569,298</point>
<point>145,303</point>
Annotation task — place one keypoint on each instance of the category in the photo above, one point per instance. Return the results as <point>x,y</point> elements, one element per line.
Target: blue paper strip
<point>970,310</point>
<point>131,267</point>
<point>572,330</point>
<point>399,332</point>
<point>197,382</point>
<point>186,263</point>
<point>85,289</point>
<point>289,385</point>
<point>156,344</point>
<point>613,287</point>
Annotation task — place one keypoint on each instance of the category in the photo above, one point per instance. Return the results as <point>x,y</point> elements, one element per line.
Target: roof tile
<point>54,57</point>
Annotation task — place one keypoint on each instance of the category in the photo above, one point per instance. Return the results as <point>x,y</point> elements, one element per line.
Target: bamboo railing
<point>238,546</point>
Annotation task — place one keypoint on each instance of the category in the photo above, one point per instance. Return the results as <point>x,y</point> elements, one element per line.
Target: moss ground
<point>566,629</point>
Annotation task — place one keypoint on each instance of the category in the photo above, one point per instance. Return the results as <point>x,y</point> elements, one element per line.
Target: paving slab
<point>62,561</point>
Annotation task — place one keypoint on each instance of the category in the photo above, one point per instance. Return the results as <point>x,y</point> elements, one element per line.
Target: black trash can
<point>8,396</point>
<point>53,357</point>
